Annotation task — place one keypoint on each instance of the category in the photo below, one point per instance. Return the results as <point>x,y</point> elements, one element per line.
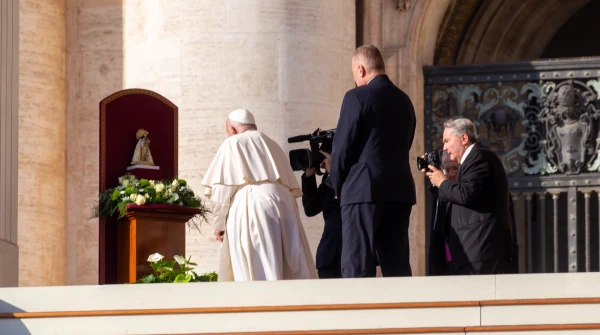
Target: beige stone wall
<point>42,147</point>
<point>287,61</point>
<point>94,71</point>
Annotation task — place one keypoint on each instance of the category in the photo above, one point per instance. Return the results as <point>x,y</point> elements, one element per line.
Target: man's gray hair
<point>370,57</point>
<point>462,126</point>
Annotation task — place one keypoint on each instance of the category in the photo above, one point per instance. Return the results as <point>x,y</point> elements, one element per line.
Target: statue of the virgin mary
<point>142,155</point>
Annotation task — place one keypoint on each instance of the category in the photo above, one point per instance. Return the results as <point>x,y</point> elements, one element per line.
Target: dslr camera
<point>319,140</point>
<point>431,158</point>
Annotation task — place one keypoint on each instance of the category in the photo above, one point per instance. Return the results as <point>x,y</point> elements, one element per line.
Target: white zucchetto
<point>242,116</point>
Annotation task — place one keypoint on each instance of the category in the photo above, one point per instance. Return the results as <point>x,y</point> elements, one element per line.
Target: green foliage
<point>175,271</point>
<point>148,192</point>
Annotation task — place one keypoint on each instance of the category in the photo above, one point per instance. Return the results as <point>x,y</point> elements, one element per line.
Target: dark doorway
<point>578,37</point>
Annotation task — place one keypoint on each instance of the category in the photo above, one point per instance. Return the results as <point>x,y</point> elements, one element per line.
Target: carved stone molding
<point>483,32</point>
<point>452,30</point>
<point>568,112</point>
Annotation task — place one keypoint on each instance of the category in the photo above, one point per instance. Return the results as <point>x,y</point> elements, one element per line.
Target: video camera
<point>302,159</point>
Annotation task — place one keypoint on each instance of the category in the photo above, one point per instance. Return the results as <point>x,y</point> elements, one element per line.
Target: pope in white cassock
<point>253,190</point>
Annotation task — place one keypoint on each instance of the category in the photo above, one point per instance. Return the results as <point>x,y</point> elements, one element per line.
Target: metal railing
<point>557,222</point>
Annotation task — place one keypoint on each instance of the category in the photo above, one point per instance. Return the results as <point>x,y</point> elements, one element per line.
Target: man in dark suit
<point>370,170</point>
<point>322,199</point>
<point>480,238</point>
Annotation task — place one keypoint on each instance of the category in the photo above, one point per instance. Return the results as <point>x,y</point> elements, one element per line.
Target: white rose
<point>151,182</point>
<point>159,187</point>
<point>147,196</point>
<point>155,257</point>
<point>133,197</point>
<point>140,200</point>
<point>125,182</point>
<point>175,183</point>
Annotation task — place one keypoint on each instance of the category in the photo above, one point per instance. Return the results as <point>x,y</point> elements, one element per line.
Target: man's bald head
<point>367,63</point>
<point>370,57</point>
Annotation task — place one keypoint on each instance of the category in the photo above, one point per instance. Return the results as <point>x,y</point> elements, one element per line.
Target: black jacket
<point>316,200</point>
<point>481,227</point>
<point>369,161</point>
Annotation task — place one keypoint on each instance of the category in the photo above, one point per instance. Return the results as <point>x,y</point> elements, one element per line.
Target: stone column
<point>42,147</point>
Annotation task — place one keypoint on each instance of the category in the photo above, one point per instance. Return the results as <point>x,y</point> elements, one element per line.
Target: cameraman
<point>322,199</point>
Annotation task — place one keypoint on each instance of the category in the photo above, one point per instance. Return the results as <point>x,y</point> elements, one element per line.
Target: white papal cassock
<point>254,191</point>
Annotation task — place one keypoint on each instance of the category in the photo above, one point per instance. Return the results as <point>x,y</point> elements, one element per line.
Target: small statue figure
<point>142,155</point>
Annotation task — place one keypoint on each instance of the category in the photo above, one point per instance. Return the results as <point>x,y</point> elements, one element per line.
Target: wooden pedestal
<point>142,233</point>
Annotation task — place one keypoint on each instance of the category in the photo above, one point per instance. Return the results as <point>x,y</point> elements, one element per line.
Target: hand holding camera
<point>325,164</point>
<point>430,165</point>
<point>312,160</point>
<point>430,158</point>
<point>310,171</point>
<point>436,176</point>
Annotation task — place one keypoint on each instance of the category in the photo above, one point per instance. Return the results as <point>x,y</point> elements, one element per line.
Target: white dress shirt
<point>462,160</point>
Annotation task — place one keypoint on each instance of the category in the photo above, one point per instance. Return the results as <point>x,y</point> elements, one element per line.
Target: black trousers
<point>488,267</point>
<point>375,234</point>
<point>332,271</point>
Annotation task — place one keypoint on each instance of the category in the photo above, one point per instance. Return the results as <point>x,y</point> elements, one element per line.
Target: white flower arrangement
<point>147,192</point>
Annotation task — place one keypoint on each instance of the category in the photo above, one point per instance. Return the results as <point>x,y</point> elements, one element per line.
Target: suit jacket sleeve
<point>343,154</point>
<point>471,184</point>
<point>310,196</point>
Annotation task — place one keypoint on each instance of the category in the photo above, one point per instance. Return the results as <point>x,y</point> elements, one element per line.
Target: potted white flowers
<point>131,191</point>
<point>178,270</point>
<point>151,215</point>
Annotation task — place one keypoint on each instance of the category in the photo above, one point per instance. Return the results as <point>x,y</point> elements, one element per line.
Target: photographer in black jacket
<point>322,199</point>
<point>481,234</point>
<point>439,260</point>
